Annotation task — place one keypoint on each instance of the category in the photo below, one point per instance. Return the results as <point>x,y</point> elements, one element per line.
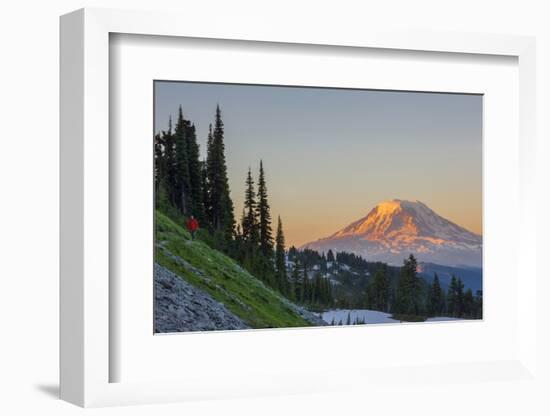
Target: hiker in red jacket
<point>192,226</point>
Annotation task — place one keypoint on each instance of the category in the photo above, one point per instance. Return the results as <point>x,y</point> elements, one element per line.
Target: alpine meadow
<point>279,206</point>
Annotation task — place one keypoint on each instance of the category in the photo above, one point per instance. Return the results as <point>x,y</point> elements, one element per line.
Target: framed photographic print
<point>316,243</point>
<point>230,199</point>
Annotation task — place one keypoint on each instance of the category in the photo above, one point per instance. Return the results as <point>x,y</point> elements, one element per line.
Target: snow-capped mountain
<point>394,229</point>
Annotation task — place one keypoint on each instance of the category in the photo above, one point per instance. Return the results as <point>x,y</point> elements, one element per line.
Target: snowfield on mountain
<point>394,229</point>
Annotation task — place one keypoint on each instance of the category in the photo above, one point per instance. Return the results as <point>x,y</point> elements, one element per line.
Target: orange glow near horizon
<point>306,221</point>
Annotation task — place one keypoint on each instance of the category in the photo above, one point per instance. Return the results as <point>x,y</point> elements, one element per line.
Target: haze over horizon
<point>331,155</point>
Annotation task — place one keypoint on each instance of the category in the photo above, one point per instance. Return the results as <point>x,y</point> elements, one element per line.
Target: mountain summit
<point>394,229</point>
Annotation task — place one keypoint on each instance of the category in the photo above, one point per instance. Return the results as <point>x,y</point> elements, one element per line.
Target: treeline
<point>360,284</point>
<point>314,259</point>
<point>309,286</point>
<point>411,297</point>
<point>352,260</point>
<point>347,273</point>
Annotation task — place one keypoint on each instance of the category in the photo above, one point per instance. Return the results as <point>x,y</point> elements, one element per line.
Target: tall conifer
<point>280,263</point>
<point>264,217</point>
<point>250,215</point>
<point>304,285</point>
<point>220,205</point>
<point>170,163</point>
<point>159,162</point>
<point>207,178</point>
<point>204,189</point>
<point>459,298</point>
<point>408,288</point>
<point>469,304</point>
<point>380,289</point>
<point>436,298</point>
<point>452,297</point>
<point>195,175</point>
<point>182,184</point>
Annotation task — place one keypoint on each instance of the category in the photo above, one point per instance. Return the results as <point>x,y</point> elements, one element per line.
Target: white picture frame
<point>86,263</point>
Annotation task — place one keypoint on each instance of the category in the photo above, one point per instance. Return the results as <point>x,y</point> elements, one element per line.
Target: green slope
<point>221,277</point>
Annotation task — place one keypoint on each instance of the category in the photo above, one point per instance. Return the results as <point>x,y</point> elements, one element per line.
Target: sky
<point>330,155</point>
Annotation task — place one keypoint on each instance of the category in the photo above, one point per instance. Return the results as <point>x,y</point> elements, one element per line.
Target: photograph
<point>290,206</point>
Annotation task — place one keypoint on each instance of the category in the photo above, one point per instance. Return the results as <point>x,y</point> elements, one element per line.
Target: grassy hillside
<point>222,278</point>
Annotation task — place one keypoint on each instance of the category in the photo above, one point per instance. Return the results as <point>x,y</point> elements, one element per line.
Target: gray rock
<point>181,307</point>
<point>311,317</point>
<point>304,313</point>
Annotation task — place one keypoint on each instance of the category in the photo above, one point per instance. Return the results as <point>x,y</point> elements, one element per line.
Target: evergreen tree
<point>240,224</point>
<point>330,256</point>
<point>209,139</point>
<point>314,290</point>
<point>380,289</point>
<point>478,304</point>
<point>325,297</point>
<point>469,304</point>
<point>436,298</point>
<point>455,298</point>
<point>220,205</point>
<point>408,288</point>
<point>280,263</point>
<point>460,298</point>
<point>182,184</point>
<point>204,189</point>
<point>323,266</point>
<point>265,268</point>
<point>295,283</point>
<point>170,167</point>
<point>264,217</point>
<point>250,217</point>
<point>304,286</point>
<point>159,162</point>
<point>369,296</point>
<point>329,293</point>
<point>292,253</point>
<point>162,197</point>
<point>207,177</point>
<point>452,296</point>
<point>195,174</point>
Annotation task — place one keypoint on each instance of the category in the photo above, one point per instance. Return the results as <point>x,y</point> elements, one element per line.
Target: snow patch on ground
<point>369,317</point>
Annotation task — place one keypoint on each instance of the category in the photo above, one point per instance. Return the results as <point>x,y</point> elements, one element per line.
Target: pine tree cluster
<point>310,288</point>
<point>265,256</point>
<point>188,186</point>
<point>412,298</point>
